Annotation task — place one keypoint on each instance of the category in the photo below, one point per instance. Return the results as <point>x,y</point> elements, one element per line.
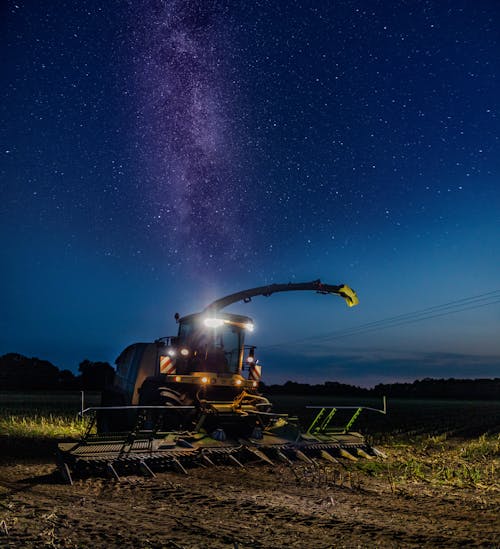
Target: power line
<point>456,306</point>
<point>423,313</point>
<point>411,321</point>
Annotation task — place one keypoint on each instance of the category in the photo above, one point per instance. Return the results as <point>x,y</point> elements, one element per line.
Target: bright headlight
<point>213,322</point>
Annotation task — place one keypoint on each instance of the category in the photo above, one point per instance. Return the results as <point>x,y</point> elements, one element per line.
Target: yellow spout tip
<point>349,295</point>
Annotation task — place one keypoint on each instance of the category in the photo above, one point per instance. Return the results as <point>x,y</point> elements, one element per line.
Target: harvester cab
<point>194,398</point>
<point>209,350</point>
<point>207,361</point>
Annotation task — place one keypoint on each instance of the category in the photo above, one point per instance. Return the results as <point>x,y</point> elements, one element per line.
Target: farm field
<point>439,487</point>
<point>405,418</point>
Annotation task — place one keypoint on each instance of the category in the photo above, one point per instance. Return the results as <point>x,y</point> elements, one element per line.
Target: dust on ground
<point>259,506</point>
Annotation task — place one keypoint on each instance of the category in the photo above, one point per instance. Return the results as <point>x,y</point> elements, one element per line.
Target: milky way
<point>185,130</point>
<point>155,152</point>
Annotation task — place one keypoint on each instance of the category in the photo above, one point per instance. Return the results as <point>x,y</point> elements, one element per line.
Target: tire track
<point>258,507</point>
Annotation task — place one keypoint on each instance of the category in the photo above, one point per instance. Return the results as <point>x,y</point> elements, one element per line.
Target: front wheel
<point>155,393</point>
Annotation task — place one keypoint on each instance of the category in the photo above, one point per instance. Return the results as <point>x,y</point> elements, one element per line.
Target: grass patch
<point>43,416</point>
<point>439,460</point>
<point>41,426</point>
<point>458,463</point>
<point>372,468</point>
<point>482,448</point>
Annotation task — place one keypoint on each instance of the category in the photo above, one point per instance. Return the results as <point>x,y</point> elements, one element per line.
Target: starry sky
<point>157,155</point>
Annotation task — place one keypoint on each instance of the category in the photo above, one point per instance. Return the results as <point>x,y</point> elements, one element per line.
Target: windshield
<point>213,349</point>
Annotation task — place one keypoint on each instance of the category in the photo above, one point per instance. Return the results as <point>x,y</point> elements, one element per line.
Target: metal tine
<point>283,457</point>
<point>303,457</point>
<point>179,465</point>
<point>261,455</point>
<point>328,457</point>
<point>379,453</point>
<point>112,470</point>
<point>316,462</point>
<point>345,454</point>
<point>66,472</point>
<point>145,469</point>
<point>230,456</point>
<point>363,454</point>
<point>207,459</point>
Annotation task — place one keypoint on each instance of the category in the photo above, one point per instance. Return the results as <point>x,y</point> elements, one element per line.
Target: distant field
<point>55,402</point>
<point>405,417</point>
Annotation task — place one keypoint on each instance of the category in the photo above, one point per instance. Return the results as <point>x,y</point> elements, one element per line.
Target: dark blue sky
<point>157,155</point>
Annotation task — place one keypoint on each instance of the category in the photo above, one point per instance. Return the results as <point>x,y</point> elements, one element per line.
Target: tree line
<point>451,388</point>
<point>20,373</point>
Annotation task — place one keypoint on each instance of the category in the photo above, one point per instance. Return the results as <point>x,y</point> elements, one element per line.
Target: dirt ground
<point>223,506</point>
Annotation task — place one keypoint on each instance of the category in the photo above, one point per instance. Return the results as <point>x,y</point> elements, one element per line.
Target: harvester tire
<point>181,419</point>
<point>169,397</point>
<point>154,393</point>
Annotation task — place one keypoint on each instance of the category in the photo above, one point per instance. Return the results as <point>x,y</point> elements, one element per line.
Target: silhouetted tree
<point>95,376</point>
<point>461,389</point>
<point>67,380</point>
<point>22,373</point>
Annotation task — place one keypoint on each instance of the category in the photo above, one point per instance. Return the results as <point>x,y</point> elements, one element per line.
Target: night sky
<point>158,155</point>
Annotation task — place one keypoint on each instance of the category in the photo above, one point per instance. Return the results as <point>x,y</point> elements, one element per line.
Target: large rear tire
<point>154,393</point>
